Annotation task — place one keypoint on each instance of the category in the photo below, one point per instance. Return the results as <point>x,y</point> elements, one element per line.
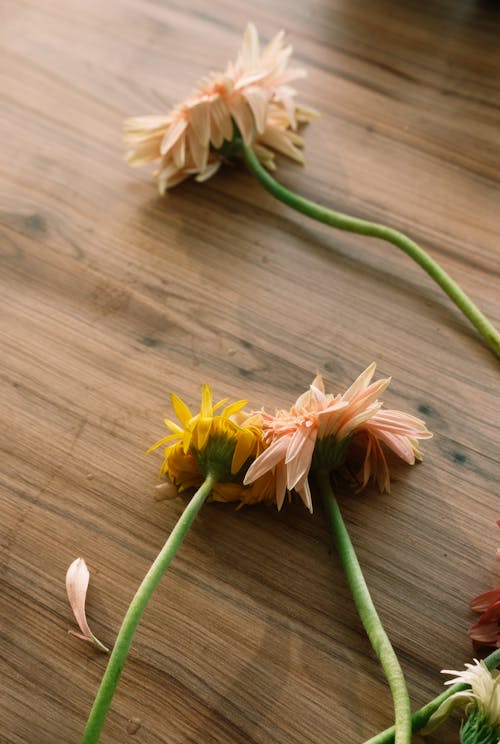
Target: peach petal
<point>304,492</point>
<point>280,485</point>
<point>209,171</point>
<point>267,460</point>
<point>299,465</point>
<point>279,141</point>
<point>244,119</point>
<point>172,135</point>
<point>257,99</point>
<point>77,582</point>
<point>199,118</point>
<point>361,382</point>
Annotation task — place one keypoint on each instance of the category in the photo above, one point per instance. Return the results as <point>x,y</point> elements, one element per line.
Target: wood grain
<point>111,297</point>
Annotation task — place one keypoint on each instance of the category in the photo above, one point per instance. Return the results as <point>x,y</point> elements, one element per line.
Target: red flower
<point>486,632</point>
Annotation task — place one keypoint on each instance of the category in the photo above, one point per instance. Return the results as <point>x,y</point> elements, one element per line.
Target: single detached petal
<point>166,491</point>
<point>77,582</point>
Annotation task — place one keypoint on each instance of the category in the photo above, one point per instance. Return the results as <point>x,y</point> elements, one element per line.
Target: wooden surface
<point>111,297</point>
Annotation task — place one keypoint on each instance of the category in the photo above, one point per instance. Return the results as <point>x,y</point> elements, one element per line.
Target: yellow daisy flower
<point>219,439</point>
<point>182,470</point>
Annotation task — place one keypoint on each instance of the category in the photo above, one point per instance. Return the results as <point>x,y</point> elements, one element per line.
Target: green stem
<point>376,230</point>
<point>368,614</point>
<point>420,718</point>
<point>136,608</point>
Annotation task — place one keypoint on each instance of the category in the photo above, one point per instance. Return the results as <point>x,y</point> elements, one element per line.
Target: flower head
<point>77,582</point>
<point>219,439</point>
<point>486,631</point>
<point>481,701</point>
<point>320,429</point>
<point>251,97</point>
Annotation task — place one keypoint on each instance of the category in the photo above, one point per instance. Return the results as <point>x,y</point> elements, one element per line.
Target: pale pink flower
<point>77,582</point>
<point>321,427</point>
<point>253,92</point>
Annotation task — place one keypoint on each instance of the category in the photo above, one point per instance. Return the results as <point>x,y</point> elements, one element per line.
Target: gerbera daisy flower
<point>320,428</point>
<point>219,439</point>
<point>481,703</point>
<point>252,99</point>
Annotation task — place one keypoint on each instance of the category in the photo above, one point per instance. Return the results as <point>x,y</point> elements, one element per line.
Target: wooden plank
<point>112,296</point>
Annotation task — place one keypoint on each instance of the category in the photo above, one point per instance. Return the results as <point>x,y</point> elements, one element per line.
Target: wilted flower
<point>481,702</point>
<point>320,428</point>
<point>223,443</point>
<point>77,582</point>
<point>252,97</point>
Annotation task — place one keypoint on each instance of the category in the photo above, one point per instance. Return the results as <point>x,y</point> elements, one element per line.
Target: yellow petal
<point>234,408</point>
<point>175,428</point>
<point>181,410</point>
<point>162,441</point>
<point>186,440</point>
<point>245,447</point>
<point>202,431</point>
<point>206,409</point>
<point>220,403</point>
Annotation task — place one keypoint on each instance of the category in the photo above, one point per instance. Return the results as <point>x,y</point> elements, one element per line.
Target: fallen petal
<point>77,582</point>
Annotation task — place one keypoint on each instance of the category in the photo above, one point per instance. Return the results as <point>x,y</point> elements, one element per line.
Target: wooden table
<point>112,296</point>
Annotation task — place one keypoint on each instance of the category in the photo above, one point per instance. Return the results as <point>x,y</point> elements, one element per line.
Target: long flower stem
<point>420,718</point>
<point>375,230</point>
<point>368,614</point>
<point>136,608</point>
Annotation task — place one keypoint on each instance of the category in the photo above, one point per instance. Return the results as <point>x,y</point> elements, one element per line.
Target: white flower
<point>483,696</point>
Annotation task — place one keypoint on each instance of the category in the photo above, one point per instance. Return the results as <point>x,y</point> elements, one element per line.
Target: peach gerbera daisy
<point>252,97</point>
<point>320,428</point>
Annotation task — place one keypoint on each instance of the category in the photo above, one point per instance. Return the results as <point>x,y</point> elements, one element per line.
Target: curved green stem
<point>376,230</point>
<point>420,718</point>
<point>136,608</point>
<point>368,614</point>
